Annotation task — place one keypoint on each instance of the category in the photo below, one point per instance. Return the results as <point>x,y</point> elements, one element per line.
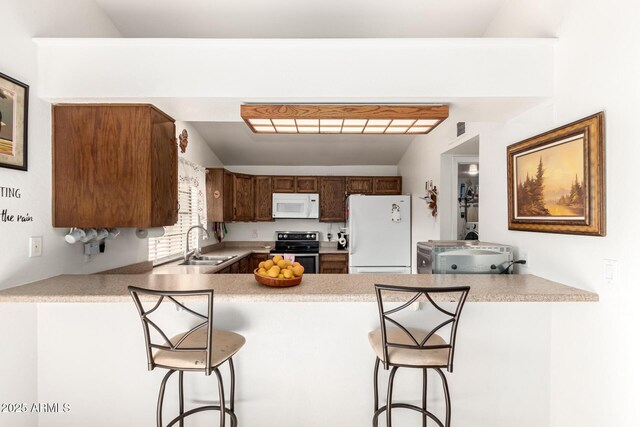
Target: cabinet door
<point>284,184</point>
<point>306,184</point>
<point>391,185</point>
<point>234,268</point>
<point>164,170</point>
<point>215,193</point>
<point>242,197</point>
<point>359,185</point>
<point>256,259</point>
<point>228,198</point>
<point>334,264</point>
<point>102,165</point>
<point>245,265</point>
<point>332,198</point>
<point>263,198</point>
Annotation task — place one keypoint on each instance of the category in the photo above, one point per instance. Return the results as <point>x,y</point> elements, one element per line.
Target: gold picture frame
<point>556,180</point>
<point>14,107</point>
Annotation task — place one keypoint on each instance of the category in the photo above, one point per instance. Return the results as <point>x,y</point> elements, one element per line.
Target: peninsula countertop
<point>314,287</point>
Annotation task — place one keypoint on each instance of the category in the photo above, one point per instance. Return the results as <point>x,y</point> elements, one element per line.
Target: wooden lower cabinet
<point>257,259</point>
<point>244,265</point>
<point>334,263</point>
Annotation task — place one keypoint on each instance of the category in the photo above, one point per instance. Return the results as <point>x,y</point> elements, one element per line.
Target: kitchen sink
<point>208,260</point>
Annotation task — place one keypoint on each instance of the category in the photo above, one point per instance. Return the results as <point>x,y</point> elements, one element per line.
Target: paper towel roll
<point>145,233</point>
<point>472,214</point>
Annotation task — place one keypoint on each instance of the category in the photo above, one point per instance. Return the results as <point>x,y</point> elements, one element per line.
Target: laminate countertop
<point>314,287</point>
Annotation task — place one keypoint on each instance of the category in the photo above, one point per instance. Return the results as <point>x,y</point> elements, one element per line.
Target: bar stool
<point>401,346</point>
<point>200,349</point>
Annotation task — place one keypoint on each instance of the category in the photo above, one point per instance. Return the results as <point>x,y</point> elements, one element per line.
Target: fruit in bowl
<point>279,272</point>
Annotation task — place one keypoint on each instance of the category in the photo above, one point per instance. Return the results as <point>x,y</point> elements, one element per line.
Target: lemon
<point>287,274</point>
<point>268,264</point>
<point>295,264</point>
<point>280,276</point>
<point>273,273</point>
<point>298,270</point>
<point>262,271</point>
<point>287,263</point>
<point>261,265</point>
<point>282,264</point>
<point>277,259</point>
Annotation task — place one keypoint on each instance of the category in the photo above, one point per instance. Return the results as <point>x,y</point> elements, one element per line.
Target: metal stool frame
<point>207,322</point>
<point>453,318</point>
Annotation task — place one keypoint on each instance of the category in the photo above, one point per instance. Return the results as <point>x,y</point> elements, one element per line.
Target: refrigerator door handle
<point>352,239</point>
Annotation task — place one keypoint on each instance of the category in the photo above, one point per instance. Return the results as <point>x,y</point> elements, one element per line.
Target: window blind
<point>173,243</point>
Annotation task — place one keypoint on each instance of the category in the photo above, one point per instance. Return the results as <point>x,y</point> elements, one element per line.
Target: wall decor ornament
<point>184,141</point>
<point>556,180</point>
<point>14,102</point>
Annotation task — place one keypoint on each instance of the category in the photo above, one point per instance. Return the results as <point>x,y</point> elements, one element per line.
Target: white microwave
<point>295,205</point>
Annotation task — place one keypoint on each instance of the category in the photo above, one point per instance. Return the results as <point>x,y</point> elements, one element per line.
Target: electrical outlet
<point>35,246</point>
<point>524,255</point>
<point>254,233</point>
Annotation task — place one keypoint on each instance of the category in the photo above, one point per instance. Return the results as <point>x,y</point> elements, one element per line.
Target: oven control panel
<point>298,235</point>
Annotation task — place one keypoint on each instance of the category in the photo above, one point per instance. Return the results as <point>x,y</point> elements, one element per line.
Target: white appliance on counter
<point>379,234</point>
<point>295,205</point>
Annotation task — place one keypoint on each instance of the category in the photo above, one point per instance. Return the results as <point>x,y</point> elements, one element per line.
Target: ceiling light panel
<point>346,118</point>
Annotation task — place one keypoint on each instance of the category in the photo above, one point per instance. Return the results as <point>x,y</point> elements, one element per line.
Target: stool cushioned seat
<point>225,344</point>
<point>409,357</point>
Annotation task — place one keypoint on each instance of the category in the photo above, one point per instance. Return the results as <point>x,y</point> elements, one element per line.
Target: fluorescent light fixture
<point>343,118</point>
<point>473,169</point>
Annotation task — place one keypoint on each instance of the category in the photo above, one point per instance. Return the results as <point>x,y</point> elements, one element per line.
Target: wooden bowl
<point>280,283</point>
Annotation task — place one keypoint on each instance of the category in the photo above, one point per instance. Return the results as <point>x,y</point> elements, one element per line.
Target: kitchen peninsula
<point>306,348</point>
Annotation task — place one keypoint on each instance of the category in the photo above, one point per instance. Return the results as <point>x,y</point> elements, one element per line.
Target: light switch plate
<point>610,271</point>
<point>35,246</point>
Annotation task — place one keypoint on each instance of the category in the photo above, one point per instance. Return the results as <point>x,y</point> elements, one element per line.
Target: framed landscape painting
<point>556,180</point>
<point>14,100</point>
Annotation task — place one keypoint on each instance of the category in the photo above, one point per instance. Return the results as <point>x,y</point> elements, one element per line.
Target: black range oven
<point>303,245</point>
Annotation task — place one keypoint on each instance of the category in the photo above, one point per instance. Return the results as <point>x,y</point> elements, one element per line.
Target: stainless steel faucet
<point>196,251</point>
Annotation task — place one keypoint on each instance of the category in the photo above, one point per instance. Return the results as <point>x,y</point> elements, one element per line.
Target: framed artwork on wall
<point>556,180</point>
<point>14,105</point>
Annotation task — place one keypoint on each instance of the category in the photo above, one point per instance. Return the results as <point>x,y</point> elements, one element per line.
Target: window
<point>192,211</point>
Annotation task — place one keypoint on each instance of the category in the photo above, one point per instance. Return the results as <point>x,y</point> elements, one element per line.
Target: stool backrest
<point>156,298</point>
<point>414,294</point>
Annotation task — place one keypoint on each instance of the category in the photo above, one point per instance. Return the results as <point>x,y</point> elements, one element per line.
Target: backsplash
<point>259,231</point>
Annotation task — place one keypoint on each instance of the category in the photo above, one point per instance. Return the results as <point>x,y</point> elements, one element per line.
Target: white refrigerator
<point>379,234</point>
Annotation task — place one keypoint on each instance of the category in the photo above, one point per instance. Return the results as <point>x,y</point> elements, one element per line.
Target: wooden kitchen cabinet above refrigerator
<point>114,165</point>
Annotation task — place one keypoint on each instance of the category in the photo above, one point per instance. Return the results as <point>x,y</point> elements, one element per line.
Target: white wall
<point>594,379</point>
<point>265,231</point>
<point>22,21</point>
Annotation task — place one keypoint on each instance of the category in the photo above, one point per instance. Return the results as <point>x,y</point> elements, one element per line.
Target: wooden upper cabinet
<point>306,184</point>
<point>114,165</point>
<point>360,185</point>
<point>284,184</point>
<point>263,198</point>
<point>243,197</point>
<point>332,198</point>
<point>391,185</point>
<point>229,196</point>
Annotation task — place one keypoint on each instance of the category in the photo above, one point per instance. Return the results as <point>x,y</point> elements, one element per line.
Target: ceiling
<point>301,19</point>
<point>218,121</point>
